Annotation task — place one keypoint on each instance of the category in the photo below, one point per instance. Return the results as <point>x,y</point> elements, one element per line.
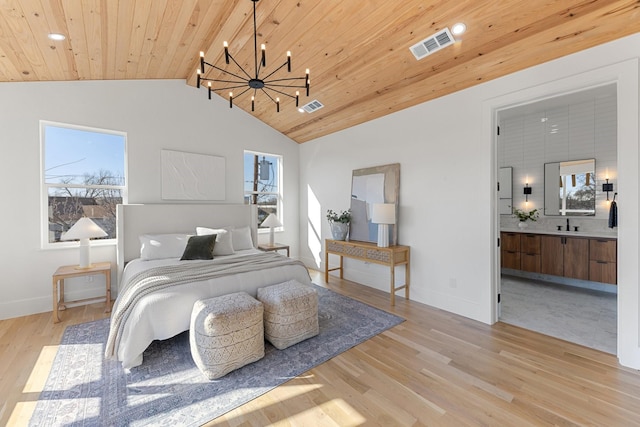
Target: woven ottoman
<point>226,333</point>
<point>290,313</point>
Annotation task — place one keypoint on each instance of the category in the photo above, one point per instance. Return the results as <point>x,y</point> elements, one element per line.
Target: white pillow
<point>242,238</point>
<point>159,246</point>
<point>224,244</point>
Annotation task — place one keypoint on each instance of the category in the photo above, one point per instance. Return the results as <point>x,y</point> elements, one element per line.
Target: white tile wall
<point>582,130</point>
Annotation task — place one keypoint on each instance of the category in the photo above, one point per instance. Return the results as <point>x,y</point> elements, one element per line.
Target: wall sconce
<point>608,186</point>
<point>527,192</point>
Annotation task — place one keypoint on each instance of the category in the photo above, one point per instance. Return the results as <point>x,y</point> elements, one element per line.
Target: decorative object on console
<point>377,184</point>
<point>83,230</point>
<point>527,192</point>
<point>244,81</point>
<point>339,223</point>
<point>272,222</point>
<point>524,216</point>
<point>383,214</point>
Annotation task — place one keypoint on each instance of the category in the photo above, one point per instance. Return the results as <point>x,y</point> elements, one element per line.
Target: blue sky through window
<point>270,184</point>
<point>72,153</point>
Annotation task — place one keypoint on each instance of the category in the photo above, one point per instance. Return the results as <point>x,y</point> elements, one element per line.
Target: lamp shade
<point>271,221</point>
<point>383,213</point>
<point>84,228</point>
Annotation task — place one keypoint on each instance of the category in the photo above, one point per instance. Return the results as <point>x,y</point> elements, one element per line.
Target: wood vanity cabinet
<point>510,250</point>
<point>530,252</point>
<point>581,258</point>
<point>603,254</point>
<point>565,256</point>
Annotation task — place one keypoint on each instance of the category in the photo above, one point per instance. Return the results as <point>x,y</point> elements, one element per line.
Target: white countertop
<point>587,233</point>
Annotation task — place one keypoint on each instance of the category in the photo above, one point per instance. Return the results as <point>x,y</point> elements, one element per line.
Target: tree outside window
<point>83,176</point>
<point>262,183</point>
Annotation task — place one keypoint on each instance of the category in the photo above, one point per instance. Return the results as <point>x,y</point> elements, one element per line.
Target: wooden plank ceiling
<point>357,51</point>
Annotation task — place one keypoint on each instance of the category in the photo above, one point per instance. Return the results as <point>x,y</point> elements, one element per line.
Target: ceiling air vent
<point>432,44</point>
<point>312,106</point>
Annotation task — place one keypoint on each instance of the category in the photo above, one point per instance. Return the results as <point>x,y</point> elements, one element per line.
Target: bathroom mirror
<point>570,188</point>
<point>505,192</point>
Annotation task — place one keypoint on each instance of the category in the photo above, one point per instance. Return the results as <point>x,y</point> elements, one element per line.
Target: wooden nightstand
<point>69,271</point>
<point>275,247</point>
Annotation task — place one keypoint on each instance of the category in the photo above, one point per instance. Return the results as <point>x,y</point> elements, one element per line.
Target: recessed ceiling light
<point>57,36</point>
<point>458,29</point>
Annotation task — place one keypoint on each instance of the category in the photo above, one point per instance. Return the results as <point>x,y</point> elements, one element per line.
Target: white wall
<point>158,114</point>
<point>448,206</point>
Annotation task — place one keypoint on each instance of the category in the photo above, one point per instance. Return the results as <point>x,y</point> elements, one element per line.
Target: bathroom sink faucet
<point>568,228</point>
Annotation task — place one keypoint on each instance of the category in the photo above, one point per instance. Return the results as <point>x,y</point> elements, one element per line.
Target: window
<point>83,174</point>
<point>263,183</point>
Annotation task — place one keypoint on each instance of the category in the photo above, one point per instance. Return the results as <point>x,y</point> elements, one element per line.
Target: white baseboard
<point>43,304</point>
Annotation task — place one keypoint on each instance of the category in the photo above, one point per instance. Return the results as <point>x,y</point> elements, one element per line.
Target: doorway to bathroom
<point>558,266</point>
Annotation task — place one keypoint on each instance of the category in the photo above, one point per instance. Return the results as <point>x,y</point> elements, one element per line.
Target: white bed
<point>166,313</point>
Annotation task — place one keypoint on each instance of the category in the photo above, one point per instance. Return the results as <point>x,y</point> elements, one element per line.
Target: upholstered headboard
<point>134,220</point>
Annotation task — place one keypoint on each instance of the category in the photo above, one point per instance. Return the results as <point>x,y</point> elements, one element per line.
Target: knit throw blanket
<point>160,278</point>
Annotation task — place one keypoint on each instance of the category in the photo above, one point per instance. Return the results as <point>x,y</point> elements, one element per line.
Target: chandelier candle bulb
<point>198,77</point>
<point>308,82</point>
<point>201,60</point>
<point>230,99</point>
<point>297,97</point>
<point>288,61</point>
<point>264,56</point>
<point>252,103</point>
<point>277,105</point>
<point>226,52</point>
<point>209,90</point>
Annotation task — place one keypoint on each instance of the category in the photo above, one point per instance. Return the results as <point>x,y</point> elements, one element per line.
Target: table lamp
<point>83,230</point>
<point>383,214</point>
<point>271,221</point>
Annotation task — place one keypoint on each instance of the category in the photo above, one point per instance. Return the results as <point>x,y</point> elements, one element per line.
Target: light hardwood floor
<point>434,369</point>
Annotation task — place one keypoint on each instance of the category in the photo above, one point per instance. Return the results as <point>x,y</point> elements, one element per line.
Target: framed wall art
<point>190,176</point>
<point>377,184</point>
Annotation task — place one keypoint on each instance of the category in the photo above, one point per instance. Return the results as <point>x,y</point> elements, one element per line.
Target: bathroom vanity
<point>574,255</point>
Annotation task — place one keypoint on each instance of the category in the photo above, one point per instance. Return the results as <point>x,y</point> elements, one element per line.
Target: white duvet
<point>164,314</point>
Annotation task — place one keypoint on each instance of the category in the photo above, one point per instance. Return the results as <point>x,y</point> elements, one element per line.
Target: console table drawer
<point>380,256</point>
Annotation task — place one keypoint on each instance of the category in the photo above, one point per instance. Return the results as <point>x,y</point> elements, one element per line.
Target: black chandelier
<point>271,87</point>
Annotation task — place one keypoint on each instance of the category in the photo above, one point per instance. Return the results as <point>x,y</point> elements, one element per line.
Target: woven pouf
<point>290,313</point>
<point>226,333</point>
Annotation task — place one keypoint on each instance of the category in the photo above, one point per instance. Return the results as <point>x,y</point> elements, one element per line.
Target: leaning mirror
<point>570,188</point>
<point>505,194</point>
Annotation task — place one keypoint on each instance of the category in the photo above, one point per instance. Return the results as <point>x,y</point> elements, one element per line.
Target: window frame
<point>44,186</point>
<point>279,194</point>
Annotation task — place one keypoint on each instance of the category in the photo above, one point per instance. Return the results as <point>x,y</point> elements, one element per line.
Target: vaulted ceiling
<point>357,51</point>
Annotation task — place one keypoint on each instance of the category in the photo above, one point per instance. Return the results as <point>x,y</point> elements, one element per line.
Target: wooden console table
<point>370,252</point>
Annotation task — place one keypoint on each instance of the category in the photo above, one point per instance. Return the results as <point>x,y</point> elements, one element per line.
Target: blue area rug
<point>83,389</point>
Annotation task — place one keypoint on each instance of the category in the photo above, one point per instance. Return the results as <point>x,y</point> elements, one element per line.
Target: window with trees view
<point>83,174</point>
<point>263,183</point>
